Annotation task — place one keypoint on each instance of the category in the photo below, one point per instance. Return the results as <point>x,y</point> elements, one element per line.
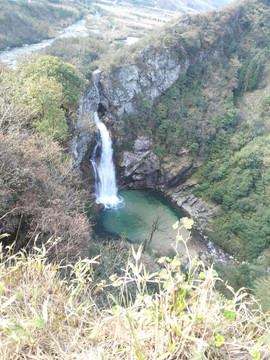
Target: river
<point>11,56</point>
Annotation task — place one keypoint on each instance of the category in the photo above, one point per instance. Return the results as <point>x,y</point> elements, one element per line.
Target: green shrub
<point>217,195</point>
<point>68,76</point>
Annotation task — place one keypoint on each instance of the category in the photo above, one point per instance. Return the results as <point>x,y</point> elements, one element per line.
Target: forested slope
<point>218,111</point>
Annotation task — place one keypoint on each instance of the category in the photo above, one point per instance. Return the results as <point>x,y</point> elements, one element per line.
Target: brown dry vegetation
<point>47,312</point>
<point>40,192</point>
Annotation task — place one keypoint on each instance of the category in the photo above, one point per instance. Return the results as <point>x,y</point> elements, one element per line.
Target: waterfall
<point>105,180</point>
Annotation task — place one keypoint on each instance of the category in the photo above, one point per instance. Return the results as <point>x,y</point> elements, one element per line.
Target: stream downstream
<point>11,56</point>
<point>78,29</point>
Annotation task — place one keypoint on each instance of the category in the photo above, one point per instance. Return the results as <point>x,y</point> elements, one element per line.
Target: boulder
<point>142,144</point>
<point>141,169</point>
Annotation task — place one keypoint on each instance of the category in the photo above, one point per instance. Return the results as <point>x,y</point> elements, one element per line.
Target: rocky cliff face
<point>155,69</point>
<point>141,168</point>
<point>84,127</point>
<point>154,73</point>
<point>116,93</point>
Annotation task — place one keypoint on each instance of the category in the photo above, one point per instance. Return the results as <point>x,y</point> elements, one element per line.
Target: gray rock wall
<point>154,73</point>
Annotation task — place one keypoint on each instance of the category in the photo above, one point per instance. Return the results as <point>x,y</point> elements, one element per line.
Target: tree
<point>156,226</point>
<point>44,97</point>
<point>65,74</point>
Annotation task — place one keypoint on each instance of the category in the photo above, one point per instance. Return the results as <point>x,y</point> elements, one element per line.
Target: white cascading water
<point>105,180</point>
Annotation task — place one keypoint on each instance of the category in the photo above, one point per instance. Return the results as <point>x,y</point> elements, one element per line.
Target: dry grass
<point>42,315</point>
<point>46,312</point>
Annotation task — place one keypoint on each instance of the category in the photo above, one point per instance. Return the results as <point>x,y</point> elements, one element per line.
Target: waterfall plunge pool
<point>143,208</point>
<point>136,215</point>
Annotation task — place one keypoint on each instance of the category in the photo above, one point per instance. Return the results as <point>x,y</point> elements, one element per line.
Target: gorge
<point>187,109</point>
<point>135,185</point>
<point>181,110</point>
<point>139,216</point>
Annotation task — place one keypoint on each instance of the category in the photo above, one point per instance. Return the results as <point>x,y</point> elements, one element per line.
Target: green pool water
<point>135,220</point>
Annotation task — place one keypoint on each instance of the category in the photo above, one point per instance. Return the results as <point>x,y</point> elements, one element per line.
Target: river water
<point>78,29</point>
<point>134,222</point>
<point>11,56</point>
<point>142,209</point>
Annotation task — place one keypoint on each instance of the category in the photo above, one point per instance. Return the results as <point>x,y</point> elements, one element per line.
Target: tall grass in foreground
<point>46,312</point>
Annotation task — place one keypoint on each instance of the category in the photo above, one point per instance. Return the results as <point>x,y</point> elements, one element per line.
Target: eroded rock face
<point>155,70</point>
<point>154,73</point>
<point>195,207</point>
<point>84,127</point>
<point>142,144</point>
<point>141,169</point>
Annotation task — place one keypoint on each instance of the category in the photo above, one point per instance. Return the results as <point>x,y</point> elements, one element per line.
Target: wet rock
<point>195,207</point>
<point>98,207</point>
<point>84,130</point>
<point>141,169</point>
<point>84,125</point>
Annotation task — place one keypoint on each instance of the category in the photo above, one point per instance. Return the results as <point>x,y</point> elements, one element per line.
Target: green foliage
<point>68,76</point>
<point>217,195</point>
<point>45,97</point>
<point>49,89</point>
<point>265,113</point>
<point>62,13</point>
<point>162,111</point>
<point>83,53</point>
<point>237,276</point>
<point>250,73</point>
<point>262,292</point>
<point>237,185</point>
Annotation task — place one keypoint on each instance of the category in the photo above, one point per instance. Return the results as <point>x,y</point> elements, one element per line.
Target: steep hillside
<point>181,6</point>
<point>198,93</point>
<point>25,22</point>
<point>41,196</point>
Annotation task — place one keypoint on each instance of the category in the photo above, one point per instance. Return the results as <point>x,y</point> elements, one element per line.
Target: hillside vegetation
<point>109,25</point>
<point>191,6</point>
<point>219,111</point>
<point>23,22</point>
<point>39,191</point>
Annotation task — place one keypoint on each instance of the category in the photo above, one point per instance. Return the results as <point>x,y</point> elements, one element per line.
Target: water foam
<point>105,179</point>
